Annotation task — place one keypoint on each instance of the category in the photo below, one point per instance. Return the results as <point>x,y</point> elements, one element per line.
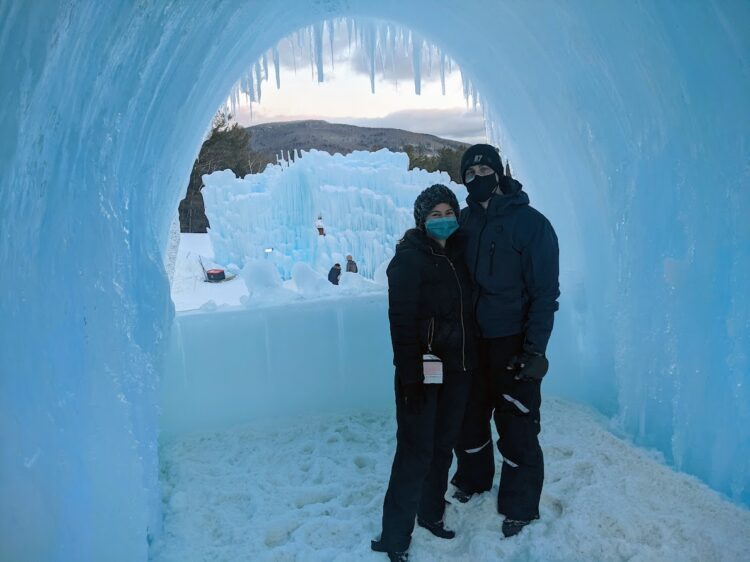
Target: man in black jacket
<point>512,254</point>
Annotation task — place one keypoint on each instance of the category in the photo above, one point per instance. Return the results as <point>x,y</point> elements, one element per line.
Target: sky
<point>345,94</point>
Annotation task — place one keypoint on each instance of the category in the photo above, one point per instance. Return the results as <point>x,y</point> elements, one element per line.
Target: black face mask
<point>481,187</point>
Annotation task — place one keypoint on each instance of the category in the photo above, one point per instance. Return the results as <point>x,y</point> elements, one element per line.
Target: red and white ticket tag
<point>433,369</point>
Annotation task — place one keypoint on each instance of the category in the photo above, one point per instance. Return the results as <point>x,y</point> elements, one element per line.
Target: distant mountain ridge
<point>269,139</point>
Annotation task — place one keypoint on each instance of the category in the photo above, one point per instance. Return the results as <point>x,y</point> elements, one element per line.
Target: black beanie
<point>483,154</point>
<point>429,198</point>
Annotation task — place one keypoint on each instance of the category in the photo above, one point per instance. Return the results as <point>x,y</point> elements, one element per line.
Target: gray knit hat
<point>429,198</point>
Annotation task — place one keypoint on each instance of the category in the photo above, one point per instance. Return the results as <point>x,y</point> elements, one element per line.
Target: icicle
<point>249,86</point>
<point>416,46</point>
<point>318,49</point>
<point>466,87</point>
<point>382,37</point>
<point>369,40</point>
<point>277,67</point>
<point>265,67</point>
<point>294,58</point>
<point>330,24</point>
<point>258,79</point>
<point>349,25</point>
<point>442,71</point>
<point>309,41</point>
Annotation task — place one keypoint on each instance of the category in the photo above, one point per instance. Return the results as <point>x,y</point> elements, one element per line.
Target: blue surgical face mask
<point>441,228</point>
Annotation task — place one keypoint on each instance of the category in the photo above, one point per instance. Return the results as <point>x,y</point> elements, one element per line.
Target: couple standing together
<point>474,303</point>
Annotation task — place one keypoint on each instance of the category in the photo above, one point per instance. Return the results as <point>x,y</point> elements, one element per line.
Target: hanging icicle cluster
<point>381,43</point>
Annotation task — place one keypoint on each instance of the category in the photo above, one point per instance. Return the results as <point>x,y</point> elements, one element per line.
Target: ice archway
<point>628,123</point>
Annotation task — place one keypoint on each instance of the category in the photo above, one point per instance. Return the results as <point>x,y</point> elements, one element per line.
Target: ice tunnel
<point>628,122</point>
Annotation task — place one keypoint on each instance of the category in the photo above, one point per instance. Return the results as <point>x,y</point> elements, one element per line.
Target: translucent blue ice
<point>364,199</point>
<point>627,122</point>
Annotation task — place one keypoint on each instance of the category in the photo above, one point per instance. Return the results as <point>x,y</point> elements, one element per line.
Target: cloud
<point>456,124</point>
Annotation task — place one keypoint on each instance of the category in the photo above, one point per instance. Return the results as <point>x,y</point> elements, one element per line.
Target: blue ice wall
<point>627,122</point>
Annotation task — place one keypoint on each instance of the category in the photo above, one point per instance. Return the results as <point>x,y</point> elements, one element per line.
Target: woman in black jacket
<point>432,330</point>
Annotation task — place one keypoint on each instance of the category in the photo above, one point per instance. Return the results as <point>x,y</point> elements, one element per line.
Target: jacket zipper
<point>461,305</point>
<point>476,265</point>
<point>492,258</point>
<point>479,246</point>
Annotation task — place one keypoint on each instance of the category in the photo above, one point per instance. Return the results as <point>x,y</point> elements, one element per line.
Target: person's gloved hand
<point>529,366</point>
<point>413,397</point>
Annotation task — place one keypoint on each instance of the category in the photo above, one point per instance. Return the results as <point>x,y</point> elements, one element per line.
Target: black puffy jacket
<point>429,306</point>
<point>513,256</point>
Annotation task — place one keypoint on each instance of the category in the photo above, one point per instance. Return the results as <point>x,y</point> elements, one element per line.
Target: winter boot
<point>393,555</point>
<point>512,527</point>
<point>438,529</point>
<point>462,496</point>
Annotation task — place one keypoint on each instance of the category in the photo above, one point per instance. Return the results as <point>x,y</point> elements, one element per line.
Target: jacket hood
<point>502,202</point>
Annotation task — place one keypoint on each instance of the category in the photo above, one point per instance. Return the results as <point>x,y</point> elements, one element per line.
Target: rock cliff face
<point>249,150</point>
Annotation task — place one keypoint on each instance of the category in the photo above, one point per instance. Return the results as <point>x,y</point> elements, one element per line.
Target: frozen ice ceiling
<point>627,122</point>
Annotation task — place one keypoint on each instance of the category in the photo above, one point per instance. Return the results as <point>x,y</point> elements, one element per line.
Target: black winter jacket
<point>513,256</point>
<point>429,306</point>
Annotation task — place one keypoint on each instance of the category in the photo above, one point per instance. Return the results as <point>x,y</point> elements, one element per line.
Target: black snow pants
<point>516,411</point>
<point>424,453</point>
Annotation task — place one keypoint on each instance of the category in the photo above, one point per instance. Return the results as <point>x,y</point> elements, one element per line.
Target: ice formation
<point>365,200</point>
<point>626,122</point>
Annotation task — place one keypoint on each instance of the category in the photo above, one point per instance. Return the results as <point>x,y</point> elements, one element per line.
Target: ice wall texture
<point>243,364</point>
<point>365,200</point>
<point>627,122</point>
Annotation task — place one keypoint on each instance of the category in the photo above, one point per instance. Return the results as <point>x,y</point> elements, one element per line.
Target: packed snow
<point>257,284</point>
<point>311,488</point>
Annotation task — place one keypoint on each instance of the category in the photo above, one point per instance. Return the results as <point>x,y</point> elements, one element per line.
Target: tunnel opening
<point>617,139</point>
<point>267,237</point>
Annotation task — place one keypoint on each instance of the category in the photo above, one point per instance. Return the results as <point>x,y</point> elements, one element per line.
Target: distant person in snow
<point>432,332</point>
<point>335,273</point>
<point>512,254</point>
<point>351,265</point>
<point>319,226</point>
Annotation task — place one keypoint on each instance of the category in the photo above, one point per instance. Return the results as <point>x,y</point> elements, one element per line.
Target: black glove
<point>529,366</point>
<point>412,396</point>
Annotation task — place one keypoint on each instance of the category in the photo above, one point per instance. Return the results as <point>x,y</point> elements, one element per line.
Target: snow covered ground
<point>312,489</point>
<point>266,288</point>
<point>189,291</point>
